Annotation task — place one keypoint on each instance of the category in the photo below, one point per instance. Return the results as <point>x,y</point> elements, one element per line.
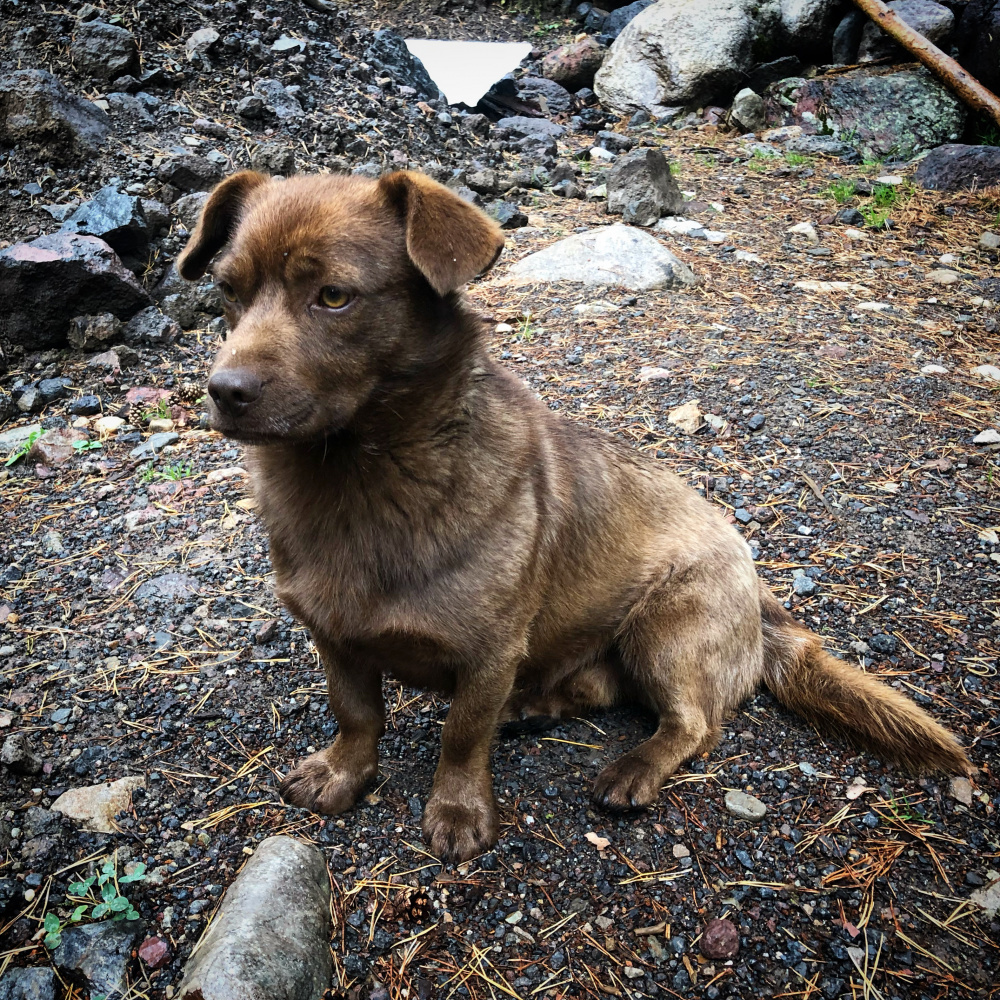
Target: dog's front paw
<point>324,786</point>
<point>629,783</point>
<point>457,831</point>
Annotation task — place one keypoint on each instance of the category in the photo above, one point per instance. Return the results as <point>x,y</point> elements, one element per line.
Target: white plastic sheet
<point>464,71</point>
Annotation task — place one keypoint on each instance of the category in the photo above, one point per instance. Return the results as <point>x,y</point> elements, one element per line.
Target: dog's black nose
<point>233,390</point>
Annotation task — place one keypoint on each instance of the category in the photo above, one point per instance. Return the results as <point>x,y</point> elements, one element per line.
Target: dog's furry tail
<point>840,699</point>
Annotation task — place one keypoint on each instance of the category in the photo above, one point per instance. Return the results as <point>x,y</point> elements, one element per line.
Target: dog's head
<point>334,288</point>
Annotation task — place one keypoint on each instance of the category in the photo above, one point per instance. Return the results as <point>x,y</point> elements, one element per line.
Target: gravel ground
<point>139,634</point>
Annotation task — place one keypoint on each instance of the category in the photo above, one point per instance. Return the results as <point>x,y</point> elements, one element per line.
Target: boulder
<point>190,172</point>
<point>552,98</point>
<point>616,255</point>
<point>955,167</point>
<point>46,283</point>
<point>192,304</point>
<point>151,327</point>
<point>388,54</point>
<point>272,158</point>
<point>104,51</point>
<point>539,129</point>
<point>806,26</point>
<point>99,955</point>
<point>883,114</point>
<point>748,110</point>
<point>641,188</point>
<point>615,22</point>
<point>684,52</point>
<point>847,38</point>
<point>934,21</point>
<point>38,112</point>
<point>978,41</point>
<point>574,64</point>
<point>271,935</point>
<point>118,219</point>
<point>93,333</point>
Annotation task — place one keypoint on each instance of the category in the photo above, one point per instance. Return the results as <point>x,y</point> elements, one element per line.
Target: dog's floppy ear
<point>449,240</point>
<point>217,222</point>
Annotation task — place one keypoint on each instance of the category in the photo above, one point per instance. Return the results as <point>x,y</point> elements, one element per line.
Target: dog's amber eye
<point>332,297</point>
<point>227,290</point>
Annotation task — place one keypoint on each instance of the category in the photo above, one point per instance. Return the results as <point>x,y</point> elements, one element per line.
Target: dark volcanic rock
<point>932,20</point>
<point>575,64</point>
<point>642,189</point>
<point>118,219</point>
<point>37,111</point>
<point>847,38</point>
<point>28,984</point>
<point>978,40</point>
<point>46,283</point>
<point>104,51</point>
<point>92,333</point>
<point>617,19</point>
<point>953,167</point>
<point>150,326</point>
<point>98,955</point>
<point>551,97</point>
<point>388,53</point>
<point>190,173</point>
<point>18,755</point>
<point>507,215</point>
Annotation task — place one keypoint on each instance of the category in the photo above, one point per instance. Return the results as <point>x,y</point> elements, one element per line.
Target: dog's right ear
<point>217,222</point>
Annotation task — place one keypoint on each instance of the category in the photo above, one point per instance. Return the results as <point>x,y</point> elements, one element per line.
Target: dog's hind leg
<point>331,780</point>
<point>691,663</point>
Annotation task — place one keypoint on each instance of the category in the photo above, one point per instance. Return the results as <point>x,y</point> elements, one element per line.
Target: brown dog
<point>431,518</point>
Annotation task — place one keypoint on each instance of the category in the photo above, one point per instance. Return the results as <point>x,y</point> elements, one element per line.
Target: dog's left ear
<point>449,240</point>
<point>217,222</point>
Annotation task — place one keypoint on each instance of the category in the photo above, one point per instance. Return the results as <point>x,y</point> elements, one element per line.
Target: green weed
<point>841,191</point>
<point>86,445</point>
<point>797,159</point>
<point>101,894</point>
<point>22,449</point>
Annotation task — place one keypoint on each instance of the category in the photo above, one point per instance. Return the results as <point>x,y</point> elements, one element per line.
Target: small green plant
<point>22,449</point>
<point>86,445</point>
<point>101,894</point>
<point>176,472</point>
<point>874,216</point>
<point>797,159</point>
<point>159,412</point>
<point>841,191</point>
<point>525,334</point>
<point>675,169</point>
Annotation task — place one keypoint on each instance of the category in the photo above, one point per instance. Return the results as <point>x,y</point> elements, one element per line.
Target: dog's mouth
<point>274,429</point>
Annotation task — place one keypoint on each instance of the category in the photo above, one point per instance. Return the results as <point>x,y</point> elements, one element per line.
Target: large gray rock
<point>573,65</point>
<point>978,41</point>
<point>277,99</point>
<point>192,304</point>
<point>38,112</point>
<point>389,54</point>
<point>118,219</point>
<point>685,51</point>
<point>28,984</point>
<point>99,954</point>
<point>956,167</point>
<point>934,21</point>
<point>553,98</point>
<point>612,255</point>
<point>532,128</point>
<point>616,21</point>
<point>847,38</point>
<point>641,188</point>
<point>104,51</point>
<point>748,110</point>
<point>190,173</point>
<point>884,115</point>
<point>46,283</point>
<point>806,26</point>
<point>270,936</point>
